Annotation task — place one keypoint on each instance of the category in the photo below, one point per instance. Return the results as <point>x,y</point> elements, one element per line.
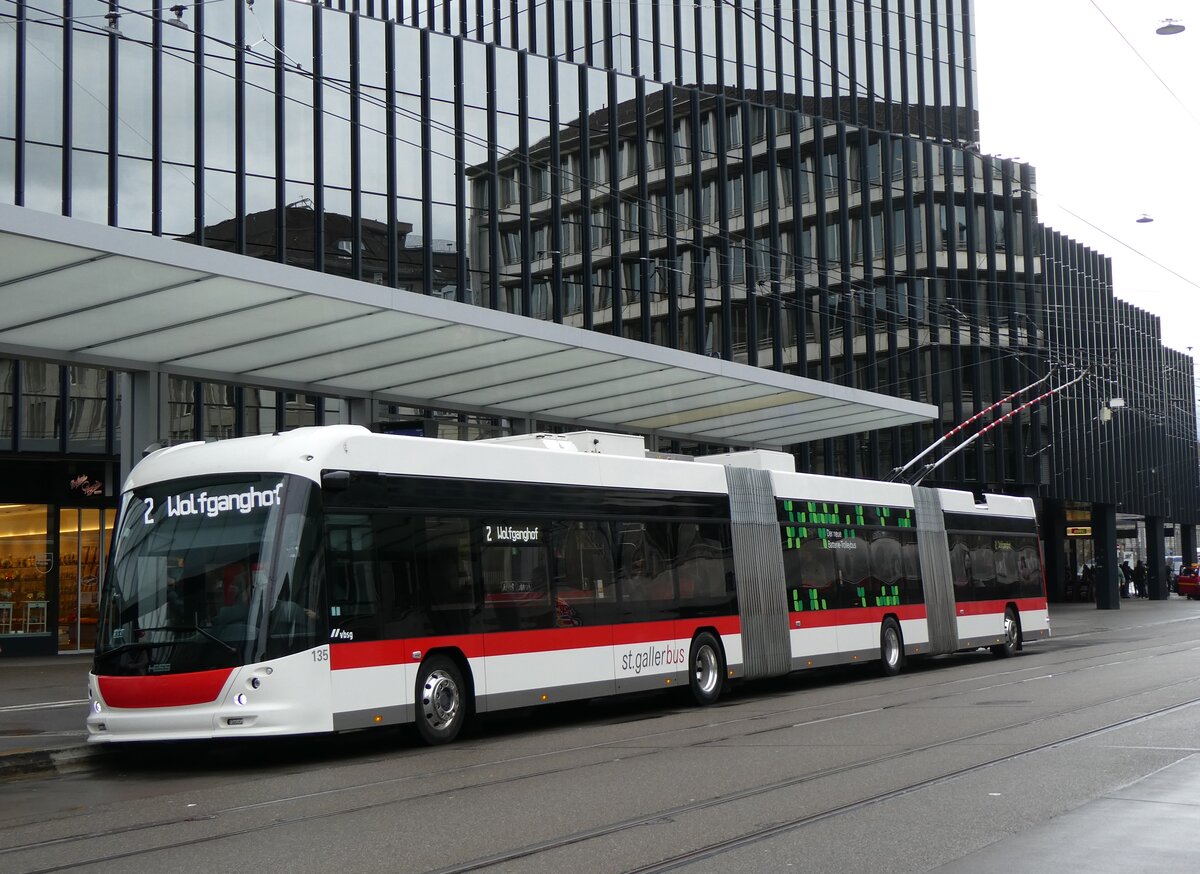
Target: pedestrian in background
<point>1126,578</point>
<point>1139,579</point>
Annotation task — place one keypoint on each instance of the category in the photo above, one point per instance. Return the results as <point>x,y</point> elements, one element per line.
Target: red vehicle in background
<point>1188,582</point>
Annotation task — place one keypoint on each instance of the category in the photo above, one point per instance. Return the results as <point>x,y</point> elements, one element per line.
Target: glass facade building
<point>795,186</point>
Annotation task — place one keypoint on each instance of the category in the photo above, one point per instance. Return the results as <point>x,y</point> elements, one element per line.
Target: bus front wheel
<point>707,672</point>
<point>441,700</point>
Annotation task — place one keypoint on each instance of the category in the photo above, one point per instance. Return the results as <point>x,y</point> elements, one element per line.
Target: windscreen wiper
<point>129,647</point>
<point>212,637</point>
<point>137,644</point>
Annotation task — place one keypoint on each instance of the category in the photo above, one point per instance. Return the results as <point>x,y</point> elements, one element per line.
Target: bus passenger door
<point>646,653</point>
<point>811,577</point>
<point>545,632</point>
<point>439,597</point>
<point>367,676</point>
<point>585,604</point>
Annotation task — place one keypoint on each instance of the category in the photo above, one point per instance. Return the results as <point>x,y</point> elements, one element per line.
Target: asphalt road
<point>1078,754</point>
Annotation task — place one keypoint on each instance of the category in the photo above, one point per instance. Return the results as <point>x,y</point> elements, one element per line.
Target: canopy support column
<point>144,423</point>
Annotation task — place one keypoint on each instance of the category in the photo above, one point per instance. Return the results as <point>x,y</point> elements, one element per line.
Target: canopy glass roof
<point>77,292</point>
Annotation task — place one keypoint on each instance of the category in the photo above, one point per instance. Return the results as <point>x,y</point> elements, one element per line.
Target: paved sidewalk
<point>43,704</point>
<point>1152,824</point>
<point>43,701</point>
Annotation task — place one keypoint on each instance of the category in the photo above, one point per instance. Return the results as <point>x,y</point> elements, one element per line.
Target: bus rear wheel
<point>706,675</point>
<point>1012,636</point>
<point>441,700</point>
<point>891,648</point>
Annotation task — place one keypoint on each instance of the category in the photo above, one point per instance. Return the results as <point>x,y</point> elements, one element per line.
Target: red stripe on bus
<point>547,640</point>
<point>377,653</point>
<point>677,629</point>
<point>855,615</point>
<point>871,615</point>
<point>168,690</point>
<point>368,654</point>
<point>985,608</point>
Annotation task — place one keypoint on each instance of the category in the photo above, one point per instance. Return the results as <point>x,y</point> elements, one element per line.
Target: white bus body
<point>387,579</point>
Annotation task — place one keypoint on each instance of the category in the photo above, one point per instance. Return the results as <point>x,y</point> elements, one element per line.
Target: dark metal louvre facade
<point>1140,454</point>
<point>898,65</point>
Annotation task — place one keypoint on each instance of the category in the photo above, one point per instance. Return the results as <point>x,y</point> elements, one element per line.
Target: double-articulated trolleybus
<point>328,579</point>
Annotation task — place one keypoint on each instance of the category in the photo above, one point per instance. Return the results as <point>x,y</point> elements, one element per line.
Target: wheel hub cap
<point>706,669</point>
<point>440,699</point>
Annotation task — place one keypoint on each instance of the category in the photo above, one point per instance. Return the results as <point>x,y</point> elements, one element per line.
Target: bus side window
<point>392,555</point>
<point>424,576</point>
<point>983,567</point>
<point>1029,567</point>
<point>887,568</point>
<point>914,588</point>
<point>447,576</point>
<point>705,567</point>
<point>960,565</point>
<point>854,572</point>
<point>582,571</point>
<point>646,575</point>
<point>814,587</point>
<point>353,579</point>
<point>632,571</point>
<point>1007,571</point>
<point>516,584</point>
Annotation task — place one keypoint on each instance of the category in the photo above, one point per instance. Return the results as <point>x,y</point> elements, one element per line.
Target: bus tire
<point>706,672</point>
<point>1012,636</point>
<point>441,701</point>
<point>891,648</point>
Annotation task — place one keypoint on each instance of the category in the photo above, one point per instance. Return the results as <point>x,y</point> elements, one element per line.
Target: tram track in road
<point>720,847</point>
<point>954,685</point>
<point>43,705</point>
<point>533,850</point>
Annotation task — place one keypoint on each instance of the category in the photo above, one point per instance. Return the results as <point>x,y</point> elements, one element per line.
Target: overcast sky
<point>1108,112</point>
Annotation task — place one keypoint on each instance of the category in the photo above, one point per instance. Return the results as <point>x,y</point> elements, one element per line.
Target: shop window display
<point>82,537</point>
<point>26,561</point>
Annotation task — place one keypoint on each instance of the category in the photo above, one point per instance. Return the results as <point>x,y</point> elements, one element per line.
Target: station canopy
<point>82,293</point>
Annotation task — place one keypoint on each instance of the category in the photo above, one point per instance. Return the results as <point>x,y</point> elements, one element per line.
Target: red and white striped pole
<point>957,429</point>
<point>931,468</point>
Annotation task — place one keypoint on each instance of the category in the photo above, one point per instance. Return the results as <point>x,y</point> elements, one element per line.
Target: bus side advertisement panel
<point>818,637</point>
<point>729,635</point>
<point>649,654</point>
<point>813,644</point>
<point>370,688</point>
<point>574,661</point>
<point>1034,615</point>
<point>982,619</point>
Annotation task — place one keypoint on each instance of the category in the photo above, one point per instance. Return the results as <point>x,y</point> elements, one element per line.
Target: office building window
<point>40,396</point>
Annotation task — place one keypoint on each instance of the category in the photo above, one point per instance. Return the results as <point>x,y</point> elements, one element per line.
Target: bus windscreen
<point>211,573</point>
